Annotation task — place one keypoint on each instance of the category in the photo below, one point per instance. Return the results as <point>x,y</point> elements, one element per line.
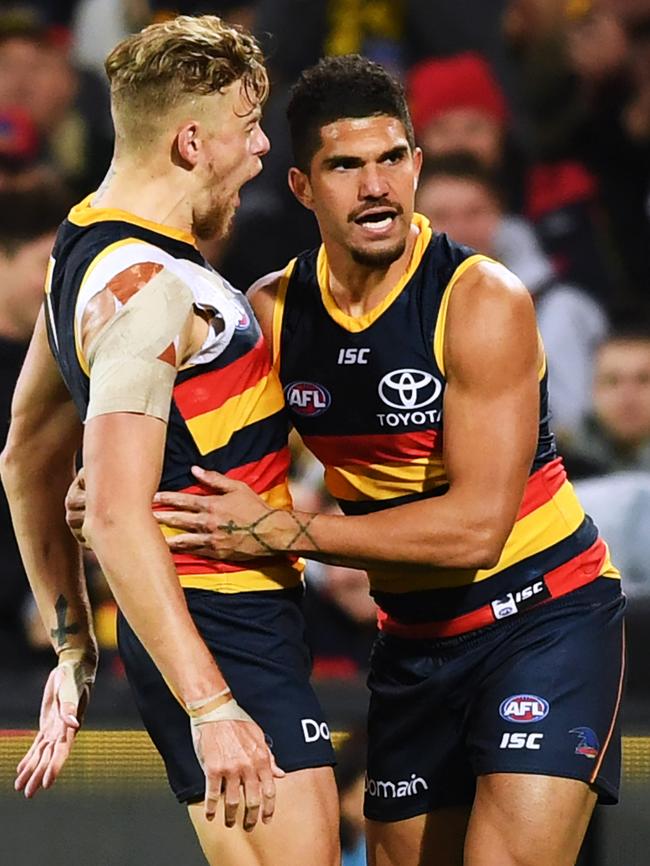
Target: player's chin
<point>378,254</point>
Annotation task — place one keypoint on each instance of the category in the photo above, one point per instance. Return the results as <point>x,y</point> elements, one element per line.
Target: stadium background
<point>535,120</point>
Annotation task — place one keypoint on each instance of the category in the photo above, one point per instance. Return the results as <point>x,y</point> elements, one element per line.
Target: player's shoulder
<point>486,283</point>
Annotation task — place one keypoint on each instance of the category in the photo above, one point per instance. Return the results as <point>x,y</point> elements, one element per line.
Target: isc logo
<point>307,398</point>
<point>521,741</point>
<point>523,709</point>
<point>353,356</point>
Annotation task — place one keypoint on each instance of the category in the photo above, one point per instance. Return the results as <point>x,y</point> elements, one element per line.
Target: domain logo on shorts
<point>524,709</point>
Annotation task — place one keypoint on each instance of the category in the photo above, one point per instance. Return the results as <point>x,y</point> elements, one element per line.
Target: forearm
<point>51,556</point>
<point>141,574</point>
<point>436,533</point>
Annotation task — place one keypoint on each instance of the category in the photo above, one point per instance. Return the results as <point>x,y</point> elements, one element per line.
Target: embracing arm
<point>491,415</point>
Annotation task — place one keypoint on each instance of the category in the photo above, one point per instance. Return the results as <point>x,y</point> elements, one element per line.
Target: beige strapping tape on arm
<point>126,374</point>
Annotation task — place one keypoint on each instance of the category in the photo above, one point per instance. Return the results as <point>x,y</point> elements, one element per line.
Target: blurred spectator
<point>68,107</point>
<point>584,76</point>
<point>28,222</point>
<point>616,435</point>
<point>98,26</point>
<point>460,198</point>
<point>457,105</point>
<point>350,774</point>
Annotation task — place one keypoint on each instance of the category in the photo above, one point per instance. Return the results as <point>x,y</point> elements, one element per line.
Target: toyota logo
<point>409,389</point>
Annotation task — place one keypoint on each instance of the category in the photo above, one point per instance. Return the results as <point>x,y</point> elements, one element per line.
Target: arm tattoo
<point>302,528</point>
<point>60,633</point>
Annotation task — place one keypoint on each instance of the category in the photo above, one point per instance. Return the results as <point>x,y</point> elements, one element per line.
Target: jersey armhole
<point>278,312</point>
<point>439,332</point>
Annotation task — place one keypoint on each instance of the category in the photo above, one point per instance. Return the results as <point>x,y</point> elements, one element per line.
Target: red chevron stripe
<point>542,486</point>
<point>377,448</point>
<point>208,391</point>
<point>578,571</point>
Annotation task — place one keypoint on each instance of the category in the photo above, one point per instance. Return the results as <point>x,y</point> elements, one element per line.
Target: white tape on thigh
<point>228,712</point>
<point>126,373</point>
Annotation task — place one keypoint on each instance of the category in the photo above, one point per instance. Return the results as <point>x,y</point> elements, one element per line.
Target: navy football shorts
<point>538,693</point>
<point>258,641</point>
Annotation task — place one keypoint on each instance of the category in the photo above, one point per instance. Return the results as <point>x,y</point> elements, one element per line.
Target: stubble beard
<point>216,223</point>
<point>379,259</point>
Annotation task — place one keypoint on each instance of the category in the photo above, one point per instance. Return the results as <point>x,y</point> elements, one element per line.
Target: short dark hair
<point>337,88</point>
<point>26,215</point>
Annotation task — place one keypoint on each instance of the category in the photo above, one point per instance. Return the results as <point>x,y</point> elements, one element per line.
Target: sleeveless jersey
<point>366,395</point>
<point>227,412</point>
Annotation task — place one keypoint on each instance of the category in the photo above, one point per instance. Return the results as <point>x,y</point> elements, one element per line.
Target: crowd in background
<point>534,119</point>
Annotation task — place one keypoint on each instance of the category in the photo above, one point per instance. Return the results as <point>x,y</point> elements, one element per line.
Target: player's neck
<point>141,191</point>
<point>358,289</point>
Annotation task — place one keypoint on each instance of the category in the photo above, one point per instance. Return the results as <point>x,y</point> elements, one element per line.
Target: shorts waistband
<point>578,572</point>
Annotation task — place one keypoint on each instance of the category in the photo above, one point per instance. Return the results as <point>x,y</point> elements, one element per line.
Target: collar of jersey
<point>84,214</point>
<point>355,324</point>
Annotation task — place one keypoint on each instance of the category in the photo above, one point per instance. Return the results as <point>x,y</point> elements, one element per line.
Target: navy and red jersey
<point>366,395</point>
<point>227,412</point>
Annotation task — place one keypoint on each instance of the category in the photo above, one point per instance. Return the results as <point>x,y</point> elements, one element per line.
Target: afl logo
<point>409,389</point>
<point>243,322</point>
<point>307,398</point>
<point>524,709</point>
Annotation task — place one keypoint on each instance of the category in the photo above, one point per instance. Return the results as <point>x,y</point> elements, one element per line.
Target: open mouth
<point>378,219</point>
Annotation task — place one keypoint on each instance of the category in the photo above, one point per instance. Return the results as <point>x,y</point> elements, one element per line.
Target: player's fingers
<point>252,800</point>
<point>181,501</point>
<point>27,757</point>
<point>189,521</point>
<point>217,482</point>
<point>213,787</point>
<point>267,786</point>
<point>231,798</point>
<point>36,778</point>
<point>60,755</point>
<point>190,541</point>
<point>277,772</point>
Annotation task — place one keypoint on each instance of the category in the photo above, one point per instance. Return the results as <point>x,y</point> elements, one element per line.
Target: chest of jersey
<point>367,395</point>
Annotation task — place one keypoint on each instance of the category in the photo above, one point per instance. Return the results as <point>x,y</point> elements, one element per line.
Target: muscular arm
<point>491,415</point>
<point>37,466</point>
<point>123,453</point>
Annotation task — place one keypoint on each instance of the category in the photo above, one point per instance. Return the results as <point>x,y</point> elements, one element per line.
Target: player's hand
<point>75,507</point>
<point>234,756</point>
<point>64,702</point>
<point>233,524</point>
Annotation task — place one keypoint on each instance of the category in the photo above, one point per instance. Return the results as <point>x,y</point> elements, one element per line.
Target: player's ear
<point>187,144</point>
<point>300,186</point>
<point>417,166</point>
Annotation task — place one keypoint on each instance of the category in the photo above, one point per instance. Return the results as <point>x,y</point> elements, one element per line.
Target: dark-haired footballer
<point>414,371</point>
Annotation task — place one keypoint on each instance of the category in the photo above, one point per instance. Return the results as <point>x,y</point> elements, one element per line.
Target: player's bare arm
<point>37,466</point>
<point>492,358</point>
<point>133,357</point>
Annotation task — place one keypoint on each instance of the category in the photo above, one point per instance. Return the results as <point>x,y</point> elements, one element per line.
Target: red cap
<point>462,81</point>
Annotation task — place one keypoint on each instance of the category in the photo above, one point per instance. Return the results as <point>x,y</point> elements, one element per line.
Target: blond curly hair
<point>153,71</point>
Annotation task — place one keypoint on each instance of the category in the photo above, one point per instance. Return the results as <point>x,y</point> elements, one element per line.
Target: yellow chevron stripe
<point>215,428</point>
<point>278,312</point>
<point>439,333</point>
<point>547,525</point>
<point>385,481</point>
